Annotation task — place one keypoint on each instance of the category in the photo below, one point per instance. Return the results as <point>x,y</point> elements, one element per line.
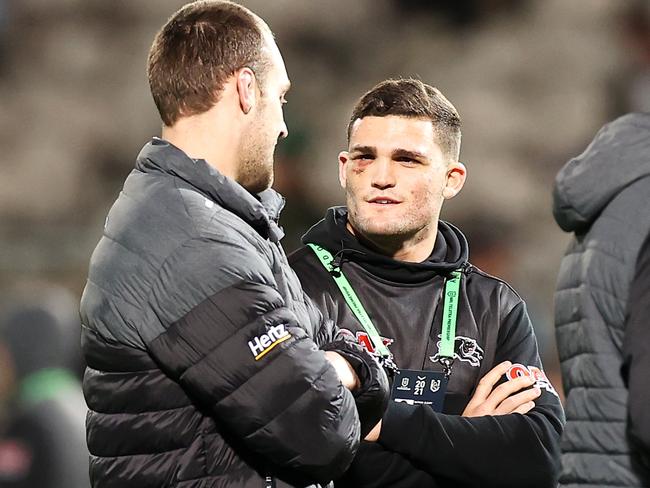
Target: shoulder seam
<point>474,269</point>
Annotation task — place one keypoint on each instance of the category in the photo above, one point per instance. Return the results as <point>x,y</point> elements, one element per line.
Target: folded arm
<point>512,449</point>
<point>239,352</point>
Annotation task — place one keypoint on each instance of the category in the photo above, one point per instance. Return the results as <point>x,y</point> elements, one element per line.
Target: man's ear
<point>246,89</point>
<point>344,158</point>
<point>456,175</point>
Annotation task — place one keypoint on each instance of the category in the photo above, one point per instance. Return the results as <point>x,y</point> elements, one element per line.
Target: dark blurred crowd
<point>42,410</point>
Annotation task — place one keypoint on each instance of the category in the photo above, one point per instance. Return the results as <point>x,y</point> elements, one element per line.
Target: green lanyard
<point>452,288</point>
<point>448,336</point>
<point>352,299</point>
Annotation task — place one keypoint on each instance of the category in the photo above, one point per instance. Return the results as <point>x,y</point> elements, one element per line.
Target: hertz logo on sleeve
<point>262,344</point>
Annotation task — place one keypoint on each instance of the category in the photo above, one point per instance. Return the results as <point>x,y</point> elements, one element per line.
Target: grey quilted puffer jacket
<point>202,366</point>
<point>603,197</point>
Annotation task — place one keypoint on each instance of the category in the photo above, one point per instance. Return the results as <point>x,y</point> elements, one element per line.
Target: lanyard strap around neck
<point>450,310</point>
<point>351,298</point>
<point>452,287</point>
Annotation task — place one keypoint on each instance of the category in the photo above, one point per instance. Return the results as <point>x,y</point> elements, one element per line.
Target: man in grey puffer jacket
<point>207,364</point>
<point>603,197</point>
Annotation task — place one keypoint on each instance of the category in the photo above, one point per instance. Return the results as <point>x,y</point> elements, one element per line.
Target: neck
<point>213,136</point>
<point>413,249</point>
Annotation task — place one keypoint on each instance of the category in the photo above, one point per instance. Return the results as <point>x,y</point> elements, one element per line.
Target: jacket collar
<point>261,211</point>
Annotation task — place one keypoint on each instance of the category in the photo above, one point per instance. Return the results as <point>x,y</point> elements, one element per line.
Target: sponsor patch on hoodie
<point>541,380</point>
<point>363,339</point>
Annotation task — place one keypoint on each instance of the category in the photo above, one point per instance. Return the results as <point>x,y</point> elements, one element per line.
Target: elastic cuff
<point>398,425</point>
<point>357,360</point>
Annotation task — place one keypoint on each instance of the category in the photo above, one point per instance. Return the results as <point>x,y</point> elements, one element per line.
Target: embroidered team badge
<point>541,380</point>
<point>465,349</point>
<point>364,339</point>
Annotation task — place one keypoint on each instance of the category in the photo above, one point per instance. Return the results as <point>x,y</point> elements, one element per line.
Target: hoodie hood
<point>450,251</point>
<point>618,156</point>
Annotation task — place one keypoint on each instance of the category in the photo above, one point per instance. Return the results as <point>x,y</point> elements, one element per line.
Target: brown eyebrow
<point>405,153</point>
<point>363,149</point>
<point>397,153</point>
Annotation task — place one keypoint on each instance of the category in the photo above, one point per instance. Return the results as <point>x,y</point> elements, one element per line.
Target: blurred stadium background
<point>532,79</point>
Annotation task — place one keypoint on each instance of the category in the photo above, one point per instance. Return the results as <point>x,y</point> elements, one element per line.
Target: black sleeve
<point>636,357</point>
<point>239,351</point>
<point>373,393</point>
<point>507,451</point>
<point>376,467</point>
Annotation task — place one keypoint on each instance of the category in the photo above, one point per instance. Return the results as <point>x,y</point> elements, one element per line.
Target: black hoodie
<point>417,446</point>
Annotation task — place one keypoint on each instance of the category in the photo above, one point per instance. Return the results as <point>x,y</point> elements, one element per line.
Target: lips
<point>383,201</point>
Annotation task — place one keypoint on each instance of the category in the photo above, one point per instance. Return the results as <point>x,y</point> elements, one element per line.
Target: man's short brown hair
<point>195,52</point>
<point>407,97</point>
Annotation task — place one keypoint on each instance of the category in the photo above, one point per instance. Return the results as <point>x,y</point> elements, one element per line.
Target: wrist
<point>344,369</point>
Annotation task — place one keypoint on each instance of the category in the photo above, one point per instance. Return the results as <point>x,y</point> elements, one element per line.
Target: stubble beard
<point>256,173</point>
<point>255,170</point>
<point>410,228</point>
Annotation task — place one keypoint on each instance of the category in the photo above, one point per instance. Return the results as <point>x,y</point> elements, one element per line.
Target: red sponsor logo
<point>541,380</point>
<point>364,339</point>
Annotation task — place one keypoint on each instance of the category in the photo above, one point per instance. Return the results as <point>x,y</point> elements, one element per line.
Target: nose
<point>284,131</point>
<point>383,175</point>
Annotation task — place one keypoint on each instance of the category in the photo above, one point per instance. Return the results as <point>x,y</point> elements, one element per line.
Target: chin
<point>383,229</point>
<point>259,187</point>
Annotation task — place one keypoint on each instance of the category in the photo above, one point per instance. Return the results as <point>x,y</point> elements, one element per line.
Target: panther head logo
<point>465,349</point>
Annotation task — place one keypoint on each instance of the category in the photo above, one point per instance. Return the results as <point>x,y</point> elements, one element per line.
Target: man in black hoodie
<point>471,403</point>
